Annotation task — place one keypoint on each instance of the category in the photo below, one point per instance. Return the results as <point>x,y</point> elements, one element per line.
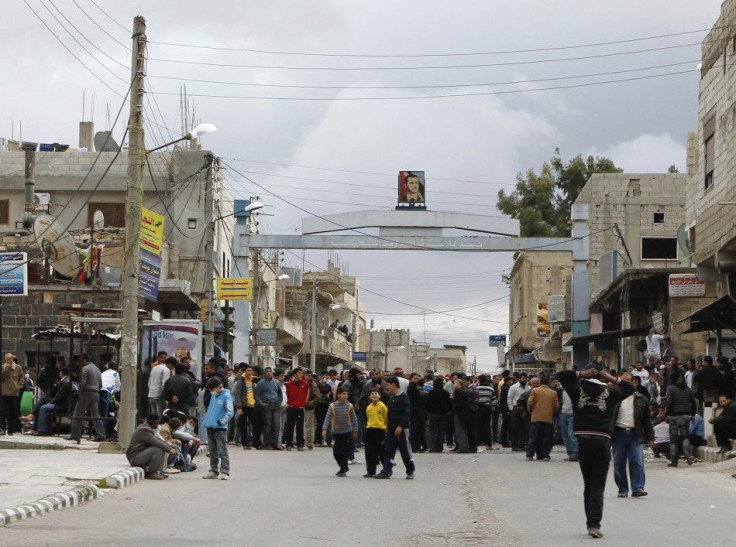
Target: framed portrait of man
<point>411,187</point>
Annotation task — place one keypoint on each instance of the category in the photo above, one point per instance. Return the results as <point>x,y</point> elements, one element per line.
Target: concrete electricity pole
<point>209,331</point>
<point>131,256</point>
<point>313,353</point>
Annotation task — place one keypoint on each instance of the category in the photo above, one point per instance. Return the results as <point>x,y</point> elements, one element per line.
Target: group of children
<point>386,431</point>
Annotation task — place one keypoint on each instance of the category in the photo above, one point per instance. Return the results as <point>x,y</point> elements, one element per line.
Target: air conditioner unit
<point>42,198</point>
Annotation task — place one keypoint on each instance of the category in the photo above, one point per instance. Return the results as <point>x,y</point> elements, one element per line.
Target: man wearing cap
<point>594,406</point>
<point>147,450</point>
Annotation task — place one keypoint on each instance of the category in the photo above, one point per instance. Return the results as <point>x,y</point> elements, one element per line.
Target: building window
<point>658,218</point>
<point>192,223</point>
<point>709,130</point>
<point>114,214</point>
<point>659,248</point>
<point>4,211</point>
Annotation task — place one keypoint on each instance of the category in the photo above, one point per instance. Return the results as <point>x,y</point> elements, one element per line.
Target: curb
<point>71,498</point>
<point>710,454</point>
<point>123,478</point>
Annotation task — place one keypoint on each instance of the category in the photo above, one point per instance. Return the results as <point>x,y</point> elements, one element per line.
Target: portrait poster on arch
<point>411,188</point>
<point>177,337</point>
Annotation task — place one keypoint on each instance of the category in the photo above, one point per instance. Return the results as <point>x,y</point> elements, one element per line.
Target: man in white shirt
<point>654,344</point>
<point>641,372</point>
<point>516,421</point>
<point>111,378</point>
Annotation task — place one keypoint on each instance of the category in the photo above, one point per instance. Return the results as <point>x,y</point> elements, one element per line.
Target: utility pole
<point>313,353</point>
<point>370,346</point>
<point>131,254</point>
<point>209,330</point>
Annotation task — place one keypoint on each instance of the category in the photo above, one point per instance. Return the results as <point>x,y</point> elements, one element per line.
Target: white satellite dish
<point>98,220</point>
<point>57,245</point>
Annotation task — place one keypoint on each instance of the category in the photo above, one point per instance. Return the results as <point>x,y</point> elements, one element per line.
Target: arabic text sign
<point>152,231</point>
<point>150,274</point>
<point>13,274</point>
<point>235,288</point>
<point>496,340</point>
<point>686,285</point>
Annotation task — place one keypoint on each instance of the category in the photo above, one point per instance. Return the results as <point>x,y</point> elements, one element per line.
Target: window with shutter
<point>114,214</point>
<point>4,211</point>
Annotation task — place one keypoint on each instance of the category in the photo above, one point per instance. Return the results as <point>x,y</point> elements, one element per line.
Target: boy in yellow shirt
<point>375,433</point>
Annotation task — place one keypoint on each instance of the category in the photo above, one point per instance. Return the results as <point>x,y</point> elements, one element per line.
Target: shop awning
<point>606,336</point>
<point>718,315</point>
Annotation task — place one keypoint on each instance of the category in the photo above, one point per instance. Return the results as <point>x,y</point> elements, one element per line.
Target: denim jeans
<point>627,450</point>
<point>219,458</point>
<point>568,437</point>
<point>271,422</point>
<point>679,431</point>
<point>595,458</point>
<point>43,417</point>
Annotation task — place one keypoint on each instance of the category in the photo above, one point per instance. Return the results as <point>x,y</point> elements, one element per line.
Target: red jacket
<point>297,395</point>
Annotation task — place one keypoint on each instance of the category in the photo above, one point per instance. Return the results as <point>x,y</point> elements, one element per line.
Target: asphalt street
<point>490,498</point>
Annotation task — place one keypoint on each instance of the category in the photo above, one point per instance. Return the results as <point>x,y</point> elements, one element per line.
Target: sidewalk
<point>34,468</point>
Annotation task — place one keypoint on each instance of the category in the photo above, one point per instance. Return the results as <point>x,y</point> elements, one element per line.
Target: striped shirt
<point>341,418</point>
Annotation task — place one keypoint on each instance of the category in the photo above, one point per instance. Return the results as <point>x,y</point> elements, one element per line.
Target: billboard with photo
<point>411,187</point>
<point>177,337</point>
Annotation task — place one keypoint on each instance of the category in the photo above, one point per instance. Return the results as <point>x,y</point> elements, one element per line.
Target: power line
<point>423,55</point>
<point>437,86</point>
<point>424,67</point>
<point>437,96</point>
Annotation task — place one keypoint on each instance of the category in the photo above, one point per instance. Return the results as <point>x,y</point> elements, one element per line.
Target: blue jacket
<point>220,411</point>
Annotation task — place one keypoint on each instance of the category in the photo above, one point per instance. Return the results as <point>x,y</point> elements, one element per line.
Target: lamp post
<point>253,352</point>
<point>388,351</point>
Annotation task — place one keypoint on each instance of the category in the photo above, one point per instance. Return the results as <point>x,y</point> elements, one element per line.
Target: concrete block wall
<point>630,200</point>
<point>23,316</point>
<point>714,224</point>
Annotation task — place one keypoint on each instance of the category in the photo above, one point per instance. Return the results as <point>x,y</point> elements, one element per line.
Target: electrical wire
<point>423,55</point>
<point>437,86</point>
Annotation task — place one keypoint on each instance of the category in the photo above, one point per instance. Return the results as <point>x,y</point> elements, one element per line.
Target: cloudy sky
<point>320,103</point>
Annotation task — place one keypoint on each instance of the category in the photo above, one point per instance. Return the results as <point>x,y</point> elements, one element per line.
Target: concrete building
<point>711,191</point>
<point>183,185</point>
<point>538,278</point>
<point>636,263</point>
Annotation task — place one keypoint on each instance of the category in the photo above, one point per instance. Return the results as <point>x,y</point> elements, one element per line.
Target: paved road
<point>491,498</point>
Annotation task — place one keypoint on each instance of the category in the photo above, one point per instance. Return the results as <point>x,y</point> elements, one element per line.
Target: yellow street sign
<point>235,288</point>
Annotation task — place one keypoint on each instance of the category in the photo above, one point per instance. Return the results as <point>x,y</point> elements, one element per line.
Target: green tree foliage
<point>542,201</point>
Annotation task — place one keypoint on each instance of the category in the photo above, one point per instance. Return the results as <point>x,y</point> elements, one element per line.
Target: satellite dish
<point>98,220</point>
<point>682,239</point>
<point>57,245</point>
<point>105,143</point>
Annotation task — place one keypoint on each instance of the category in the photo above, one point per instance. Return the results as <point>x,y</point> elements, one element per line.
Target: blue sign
<point>360,356</point>
<point>495,340</point>
<point>13,274</point>
<point>150,274</point>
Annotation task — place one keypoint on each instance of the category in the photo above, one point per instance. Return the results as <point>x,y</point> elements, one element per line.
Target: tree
<point>542,201</point>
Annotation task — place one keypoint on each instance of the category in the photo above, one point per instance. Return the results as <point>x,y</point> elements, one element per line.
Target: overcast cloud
<point>486,139</point>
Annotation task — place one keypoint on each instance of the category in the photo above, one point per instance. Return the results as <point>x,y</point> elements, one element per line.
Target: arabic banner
<point>152,231</point>
<point>150,275</point>
<point>235,288</point>
<point>13,274</point>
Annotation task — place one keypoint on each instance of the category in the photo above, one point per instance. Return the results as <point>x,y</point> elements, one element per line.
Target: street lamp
<point>388,351</point>
<point>201,129</point>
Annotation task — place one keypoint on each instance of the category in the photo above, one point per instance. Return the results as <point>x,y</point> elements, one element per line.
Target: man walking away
<point>90,384</point>
<point>681,408</point>
<point>594,404</point>
<point>632,430</point>
<point>397,434</point>
<point>219,413</point>
<point>542,405</point>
